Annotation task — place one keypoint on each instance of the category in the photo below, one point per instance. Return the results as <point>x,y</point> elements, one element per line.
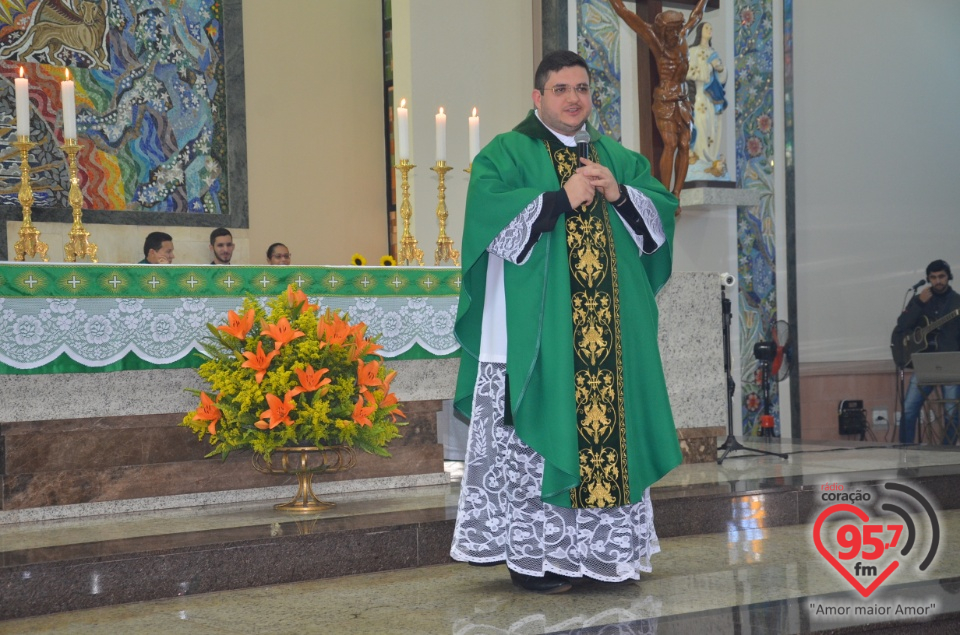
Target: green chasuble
<point>507,175</point>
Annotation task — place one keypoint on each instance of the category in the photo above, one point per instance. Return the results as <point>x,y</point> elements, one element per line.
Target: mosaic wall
<point>151,115</point>
<point>756,231</point>
<point>598,42</point>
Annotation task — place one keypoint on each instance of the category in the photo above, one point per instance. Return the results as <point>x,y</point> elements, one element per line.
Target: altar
<point>95,360</point>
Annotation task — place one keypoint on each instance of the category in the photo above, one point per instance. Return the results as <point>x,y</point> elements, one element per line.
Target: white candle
<point>68,99</point>
<point>22,85</point>
<point>441,136</point>
<point>474,122</point>
<point>403,132</point>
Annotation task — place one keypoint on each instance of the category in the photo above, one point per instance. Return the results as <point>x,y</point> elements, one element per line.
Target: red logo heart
<point>829,557</point>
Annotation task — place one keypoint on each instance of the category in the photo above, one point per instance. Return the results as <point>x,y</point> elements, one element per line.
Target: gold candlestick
<point>79,245</point>
<point>445,250</point>
<point>29,243</point>
<point>409,252</point>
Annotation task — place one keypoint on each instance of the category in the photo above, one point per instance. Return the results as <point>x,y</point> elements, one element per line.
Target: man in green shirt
<point>560,372</point>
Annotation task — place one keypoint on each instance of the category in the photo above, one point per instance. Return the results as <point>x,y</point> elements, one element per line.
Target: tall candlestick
<point>403,131</point>
<point>22,85</point>
<point>441,136</point>
<point>474,123</point>
<point>67,97</point>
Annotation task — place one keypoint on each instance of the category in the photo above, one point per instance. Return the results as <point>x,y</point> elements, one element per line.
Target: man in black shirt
<point>934,302</point>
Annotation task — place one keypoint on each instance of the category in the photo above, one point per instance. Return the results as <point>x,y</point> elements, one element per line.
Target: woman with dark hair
<point>278,254</point>
<point>708,75</point>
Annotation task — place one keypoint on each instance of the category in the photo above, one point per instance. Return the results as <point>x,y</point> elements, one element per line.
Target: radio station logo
<point>868,534</point>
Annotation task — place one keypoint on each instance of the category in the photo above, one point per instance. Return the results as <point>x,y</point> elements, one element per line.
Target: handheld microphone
<point>918,285</point>
<point>583,144</point>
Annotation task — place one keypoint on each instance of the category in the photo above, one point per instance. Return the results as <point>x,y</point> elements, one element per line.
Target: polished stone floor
<point>751,578</point>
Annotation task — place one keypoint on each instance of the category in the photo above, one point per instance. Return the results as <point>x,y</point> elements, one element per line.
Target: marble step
<point>59,566</point>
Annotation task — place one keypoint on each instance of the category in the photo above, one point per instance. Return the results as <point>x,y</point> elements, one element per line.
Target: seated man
<point>278,254</point>
<point>221,245</point>
<point>157,249</point>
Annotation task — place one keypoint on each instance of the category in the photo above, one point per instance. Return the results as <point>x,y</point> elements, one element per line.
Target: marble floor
<point>751,578</point>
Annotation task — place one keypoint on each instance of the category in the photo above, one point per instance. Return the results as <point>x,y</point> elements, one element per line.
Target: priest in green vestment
<point>564,251</point>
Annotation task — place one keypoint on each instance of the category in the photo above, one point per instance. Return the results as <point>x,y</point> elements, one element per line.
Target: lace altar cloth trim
<point>98,313</point>
<point>99,331</point>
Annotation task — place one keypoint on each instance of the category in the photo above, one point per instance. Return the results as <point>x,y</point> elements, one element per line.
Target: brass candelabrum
<point>409,252</point>
<point>29,243</point>
<point>79,245</point>
<point>445,250</point>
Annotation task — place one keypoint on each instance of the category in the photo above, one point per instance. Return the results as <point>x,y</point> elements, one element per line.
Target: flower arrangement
<point>293,378</point>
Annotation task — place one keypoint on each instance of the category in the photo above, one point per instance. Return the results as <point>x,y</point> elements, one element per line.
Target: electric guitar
<point>904,346</point>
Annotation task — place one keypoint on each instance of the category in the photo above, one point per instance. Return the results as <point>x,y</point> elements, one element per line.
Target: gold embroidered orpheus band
<point>598,365</point>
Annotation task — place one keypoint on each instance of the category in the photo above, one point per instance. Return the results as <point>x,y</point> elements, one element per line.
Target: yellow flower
<point>387,261</point>
<point>358,260</point>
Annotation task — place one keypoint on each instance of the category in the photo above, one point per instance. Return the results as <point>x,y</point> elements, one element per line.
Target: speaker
<point>853,418</point>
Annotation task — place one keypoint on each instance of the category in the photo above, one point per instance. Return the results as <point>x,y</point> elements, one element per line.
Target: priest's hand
<point>601,178</point>
<point>579,189</point>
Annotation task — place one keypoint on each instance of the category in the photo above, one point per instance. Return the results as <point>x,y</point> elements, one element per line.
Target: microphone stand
<point>731,444</point>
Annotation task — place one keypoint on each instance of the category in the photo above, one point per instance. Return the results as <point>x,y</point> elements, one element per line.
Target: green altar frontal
<point>57,318</point>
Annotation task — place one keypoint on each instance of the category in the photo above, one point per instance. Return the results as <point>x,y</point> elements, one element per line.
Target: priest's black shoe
<point>550,583</point>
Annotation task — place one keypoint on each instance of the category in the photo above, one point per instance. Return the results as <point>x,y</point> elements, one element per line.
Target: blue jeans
<point>916,395</point>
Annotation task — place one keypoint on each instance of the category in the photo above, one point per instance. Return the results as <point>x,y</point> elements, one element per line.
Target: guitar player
<point>935,302</point>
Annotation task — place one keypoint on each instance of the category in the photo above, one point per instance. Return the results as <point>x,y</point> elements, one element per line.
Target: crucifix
<point>661,79</point>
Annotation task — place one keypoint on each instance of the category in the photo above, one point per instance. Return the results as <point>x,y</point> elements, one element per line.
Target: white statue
<point>708,76</point>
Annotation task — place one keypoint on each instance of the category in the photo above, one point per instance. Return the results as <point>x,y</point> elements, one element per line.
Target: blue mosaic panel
<point>598,42</point>
<point>756,231</point>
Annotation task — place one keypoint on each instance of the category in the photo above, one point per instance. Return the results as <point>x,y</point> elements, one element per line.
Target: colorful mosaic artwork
<point>756,232</point>
<point>598,42</point>
<point>150,101</point>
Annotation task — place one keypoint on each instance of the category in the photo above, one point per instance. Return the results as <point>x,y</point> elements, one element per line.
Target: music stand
<point>731,444</point>
<point>938,369</point>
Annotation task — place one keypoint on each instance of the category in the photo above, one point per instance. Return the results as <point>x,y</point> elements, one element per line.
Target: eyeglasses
<point>562,89</point>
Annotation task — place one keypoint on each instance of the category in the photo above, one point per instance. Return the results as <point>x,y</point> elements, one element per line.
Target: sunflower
<point>387,261</point>
<point>358,260</point>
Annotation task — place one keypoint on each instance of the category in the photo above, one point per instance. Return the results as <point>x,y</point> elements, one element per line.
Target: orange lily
<point>281,332</point>
<point>297,297</point>
<point>359,331</point>
<point>310,380</point>
<point>279,411</point>
<point>391,400</point>
<point>334,331</point>
<point>388,379</point>
<point>208,411</point>
<point>360,414</point>
<point>238,326</point>
<point>258,361</point>
<point>362,349</point>
<point>367,375</point>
